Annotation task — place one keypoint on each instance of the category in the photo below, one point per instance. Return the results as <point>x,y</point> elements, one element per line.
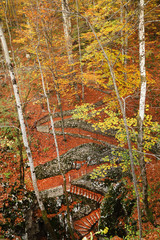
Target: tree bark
<point>141,113</point>
<point>67,30</point>
<point>21,167</point>
<point>57,151</point>
<point>56,86</point>
<point>79,47</point>
<point>125,125</point>
<point>124,36</point>
<point>24,134</point>
<point>68,39</point>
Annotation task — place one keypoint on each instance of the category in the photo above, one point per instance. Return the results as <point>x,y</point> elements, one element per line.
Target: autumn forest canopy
<point>79,119</point>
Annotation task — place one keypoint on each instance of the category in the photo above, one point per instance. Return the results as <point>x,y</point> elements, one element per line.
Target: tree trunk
<point>124,36</point>
<point>56,86</point>
<point>141,113</point>
<point>67,30</point>
<point>79,47</point>
<point>125,125</point>
<point>68,38</point>
<point>61,112</point>
<point>20,148</point>
<point>57,150</point>
<point>24,134</point>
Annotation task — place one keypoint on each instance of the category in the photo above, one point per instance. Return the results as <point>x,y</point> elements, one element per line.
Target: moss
<point>116,210</point>
<point>87,151</point>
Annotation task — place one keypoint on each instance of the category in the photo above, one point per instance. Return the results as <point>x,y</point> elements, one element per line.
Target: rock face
<point>52,193</point>
<point>90,153</point>
<point>116,210</point>
<point>73,123</point>
<point>80,211</point>
<point>87,183</point>
<point>34,227</point>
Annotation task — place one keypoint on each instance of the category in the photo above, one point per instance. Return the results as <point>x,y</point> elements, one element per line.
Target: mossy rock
<point>73,123</point>
<point>92,153</point>
<point>116,210</point>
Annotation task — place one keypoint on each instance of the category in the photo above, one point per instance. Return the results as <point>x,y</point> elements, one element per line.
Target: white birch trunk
<point>124,36</point>
<point>23,130</point>
<point>57,150</point>
<point>68,39</point>
<point>142,61</point>
<point>142,110</point>
<point>125,125</point>
<point>79,46</point>
<point>50,115</point>
<point>56,85</point>
<point>20,116</point>
<point>67,30</point>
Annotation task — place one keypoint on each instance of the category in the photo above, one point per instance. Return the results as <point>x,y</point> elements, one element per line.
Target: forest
<point>79,119</point>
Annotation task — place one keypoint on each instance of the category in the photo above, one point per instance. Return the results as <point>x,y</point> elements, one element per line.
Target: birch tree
<point>56,85</point>
<point>68,38</point>
<point>57,148</point>
<point>24,134</point>
<point>122,109</point>
<point>79,48</point>
<point>142,108</point>
<point>53,132</point>
<point>124,35</point>
<point>67,30</point>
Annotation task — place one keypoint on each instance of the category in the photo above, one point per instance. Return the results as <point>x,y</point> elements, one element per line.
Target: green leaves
<point>7,174</point>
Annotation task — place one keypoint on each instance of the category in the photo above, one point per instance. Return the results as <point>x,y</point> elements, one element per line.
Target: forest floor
<point>43,150</point>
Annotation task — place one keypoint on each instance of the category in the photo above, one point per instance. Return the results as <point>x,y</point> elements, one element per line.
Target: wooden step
<point>84,225</point>
<point>85,193</point>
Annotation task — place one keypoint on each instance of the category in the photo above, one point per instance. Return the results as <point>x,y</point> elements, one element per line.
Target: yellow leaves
<point>149,53</point>
<point>147,107</point>
<point>114,121</point>
<point>100,171</point>
<point>86,112</point>
<point>101,232</point>
<point>89,78</point>
<point>5,142</point>
<point>121,137</point>
<point>151,132</point>
<point>155,127</point>
<point>20,40</point>
<point>110,28</point>
<point>88,36</point>
<point>132,122</point>
<point>105,231</point>
<point>147,121</point>
<point>81,112</point>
